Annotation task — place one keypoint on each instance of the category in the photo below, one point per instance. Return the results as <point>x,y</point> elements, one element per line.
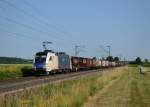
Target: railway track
<point>13,86</point>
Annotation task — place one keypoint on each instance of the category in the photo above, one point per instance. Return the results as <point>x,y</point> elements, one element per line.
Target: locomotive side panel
<point>52,62</point>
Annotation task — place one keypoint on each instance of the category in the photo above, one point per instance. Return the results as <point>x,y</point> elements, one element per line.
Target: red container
<point>81,63</point>
<point>75,63</point>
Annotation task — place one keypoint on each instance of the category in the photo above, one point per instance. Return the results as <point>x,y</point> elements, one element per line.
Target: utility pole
<point>78,49</point>
<point>124,61</point>
<point>109,49</point>
<point>105,50</point>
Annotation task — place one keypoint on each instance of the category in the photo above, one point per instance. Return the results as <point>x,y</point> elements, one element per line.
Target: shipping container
<point>81,63</point>
<point>63,61</point>
<point>98,63</point>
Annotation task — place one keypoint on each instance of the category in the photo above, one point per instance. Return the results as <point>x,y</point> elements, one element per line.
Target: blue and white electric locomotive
<point>49,61</point>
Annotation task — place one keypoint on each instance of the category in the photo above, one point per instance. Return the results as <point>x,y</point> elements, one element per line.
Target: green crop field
<point>11,71</point>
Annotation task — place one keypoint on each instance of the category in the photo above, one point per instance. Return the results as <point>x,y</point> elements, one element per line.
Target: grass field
<point>10,71</point>
<point>120,87</point>
<point>131,90</point>
<point>73,93</point>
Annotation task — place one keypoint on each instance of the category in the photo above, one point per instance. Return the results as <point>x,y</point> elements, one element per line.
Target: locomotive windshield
<point>40,57</point>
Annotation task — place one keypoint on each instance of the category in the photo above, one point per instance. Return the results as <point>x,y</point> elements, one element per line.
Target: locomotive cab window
<point>50,58</point>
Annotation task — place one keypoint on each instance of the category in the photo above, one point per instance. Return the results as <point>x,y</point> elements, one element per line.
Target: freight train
<point>49,61</point>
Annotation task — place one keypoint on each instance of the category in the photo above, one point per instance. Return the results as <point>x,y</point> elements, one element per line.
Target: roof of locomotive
<point>45,52</point>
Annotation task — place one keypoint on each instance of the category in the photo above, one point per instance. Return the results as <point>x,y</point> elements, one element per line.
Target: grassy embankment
<point>132,90</point>
<point>10,71</point>
<point>72,93</point>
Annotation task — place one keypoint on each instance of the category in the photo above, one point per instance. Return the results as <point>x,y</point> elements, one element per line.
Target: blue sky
<point>123,24</point>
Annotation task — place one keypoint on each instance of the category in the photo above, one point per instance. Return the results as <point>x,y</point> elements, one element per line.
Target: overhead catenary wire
<point>16,35</point>
<point>29,27</point>
<point>102,47</point>
<point>25,36</point>
<point>21,35</point>
<point>26,13</point>
<point>41,15</point>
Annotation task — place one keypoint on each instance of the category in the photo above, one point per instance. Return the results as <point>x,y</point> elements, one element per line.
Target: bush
<point>26,71</point>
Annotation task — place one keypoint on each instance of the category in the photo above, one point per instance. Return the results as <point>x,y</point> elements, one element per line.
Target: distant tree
<point>110,58</point>
<point>116,59</point>
<point>146,60</point>
<point>138,60</point>
<point>13,60</point>
<point>94,58</point>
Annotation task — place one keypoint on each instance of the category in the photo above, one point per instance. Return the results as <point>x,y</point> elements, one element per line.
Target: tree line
<point>139,61</point>
<point>14,60</point>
